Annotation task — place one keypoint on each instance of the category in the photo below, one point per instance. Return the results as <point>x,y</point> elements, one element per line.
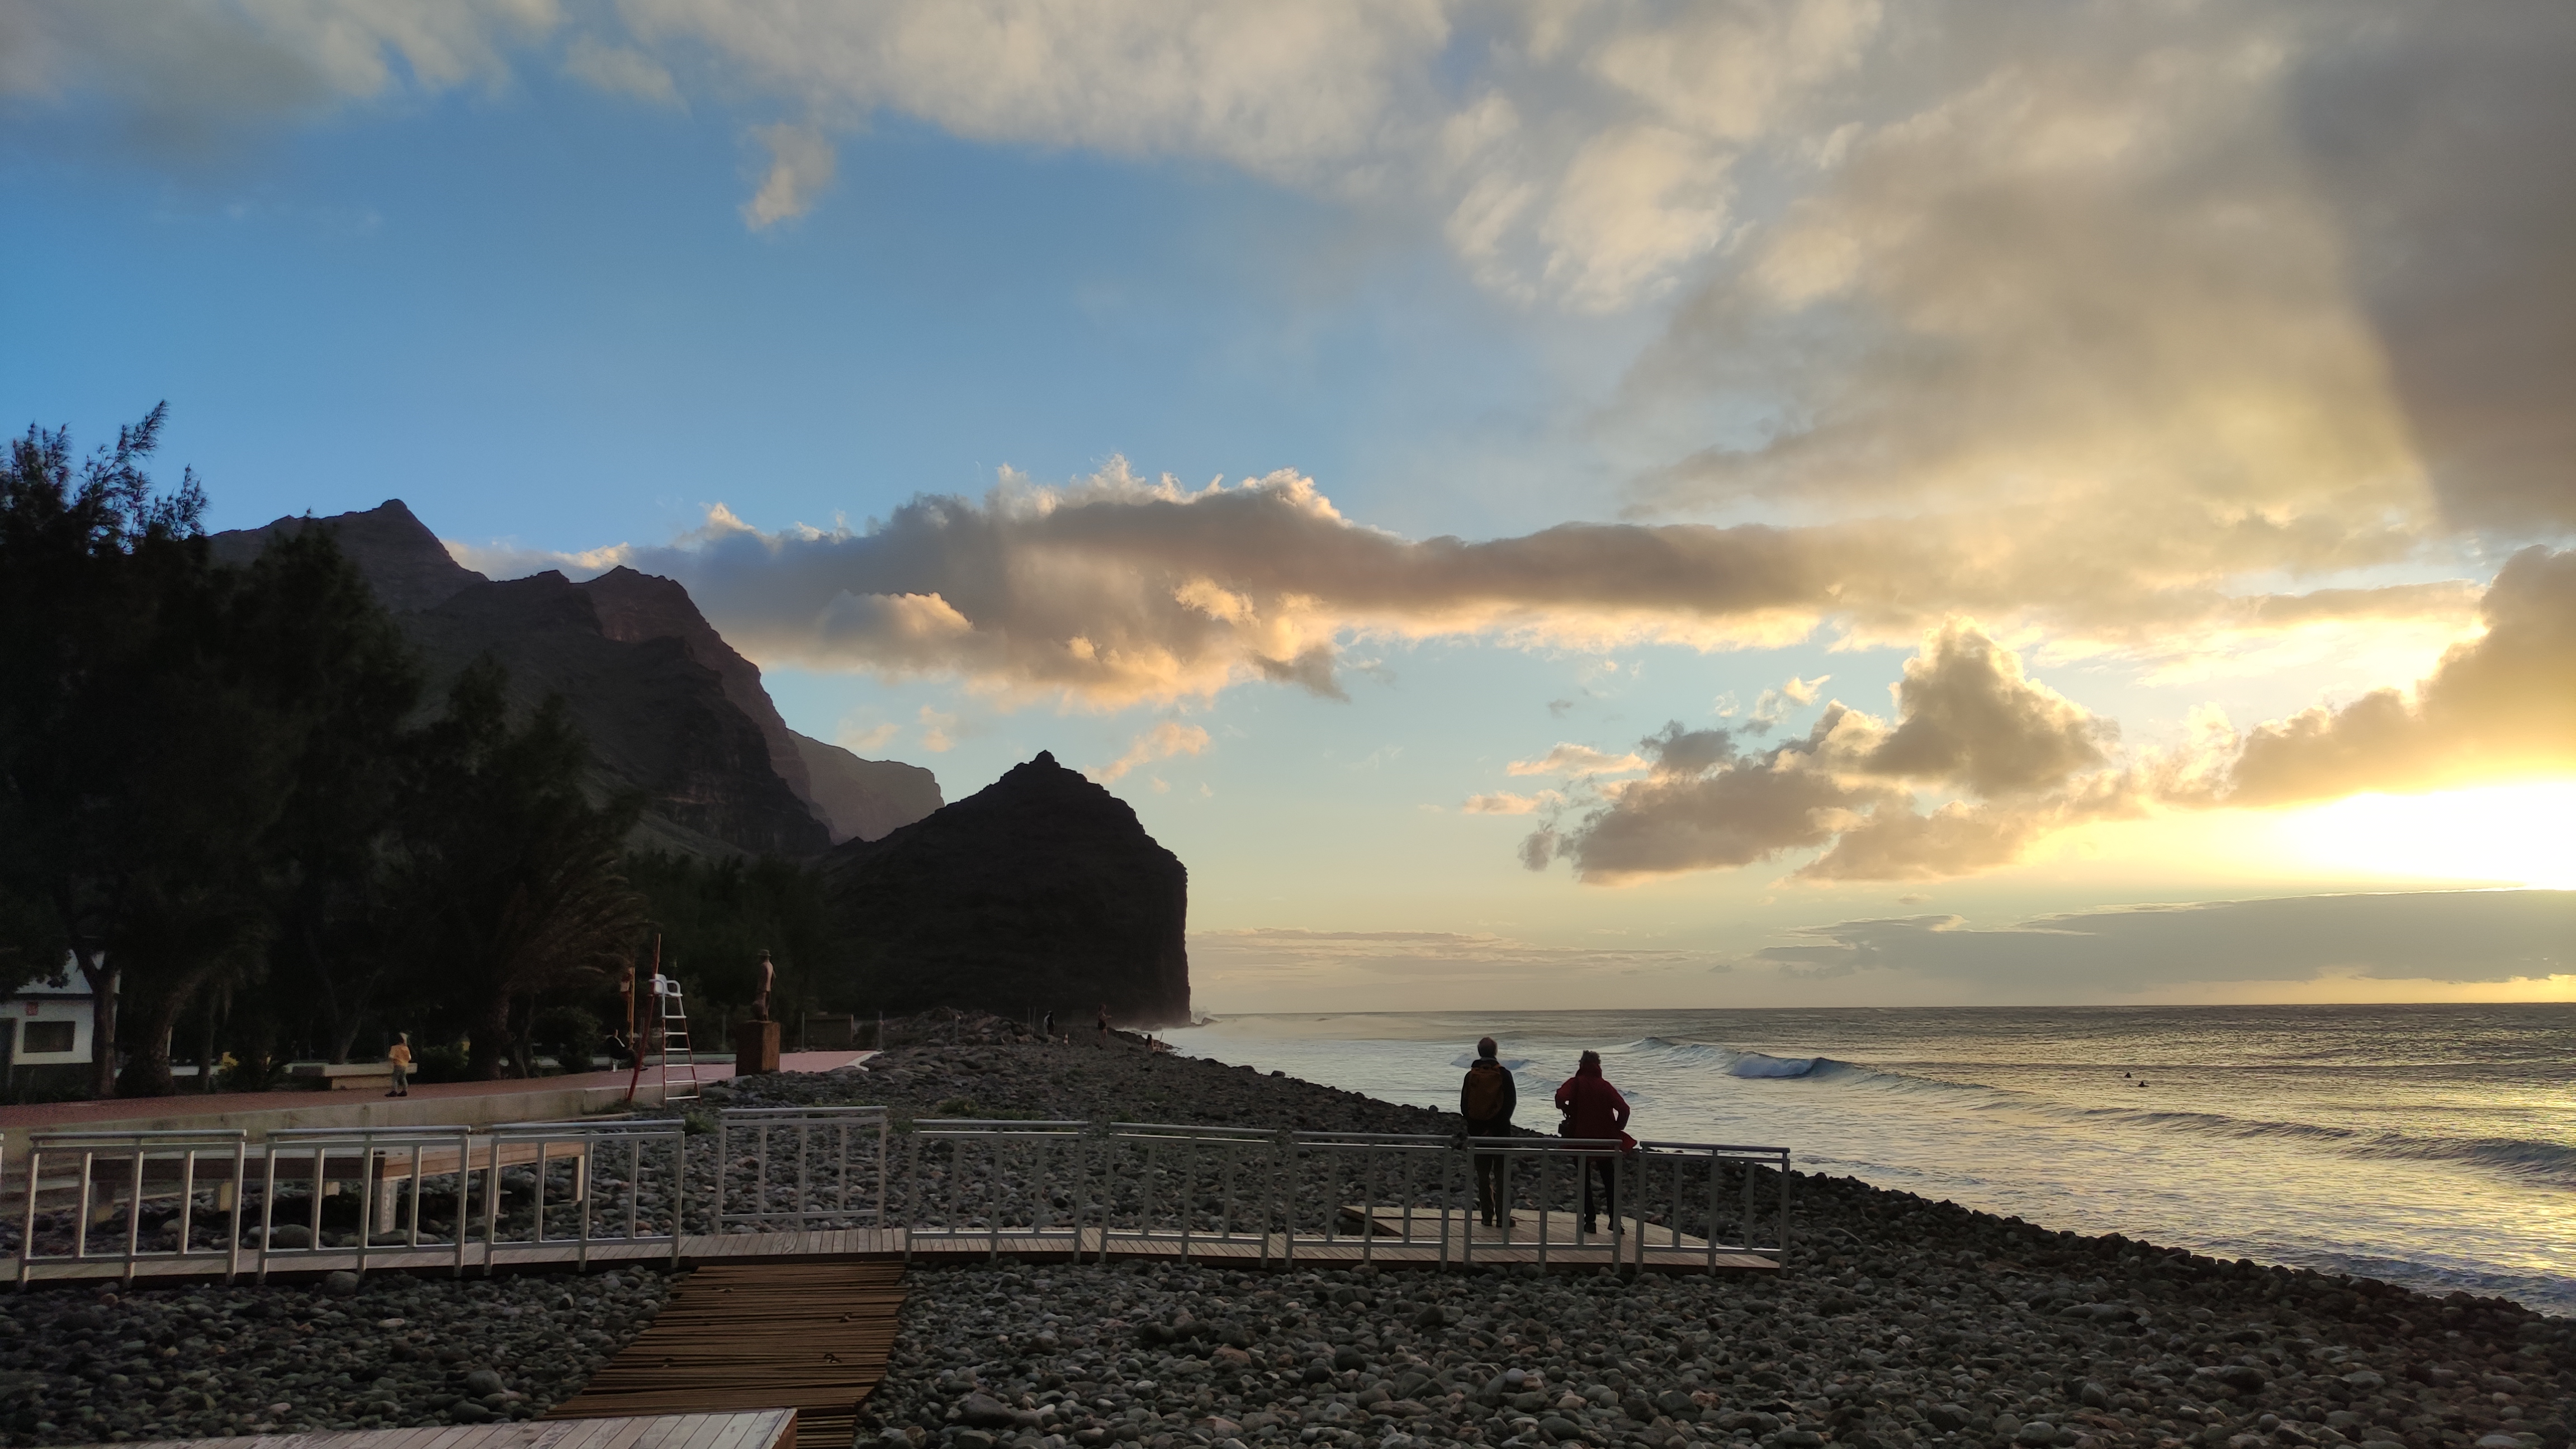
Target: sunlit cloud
<point>1570,759</point>
<point>2462,936</point>
<point>1162,742</point>
<point>800,165</point>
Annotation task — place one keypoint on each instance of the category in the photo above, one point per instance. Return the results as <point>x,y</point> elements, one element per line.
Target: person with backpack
<point>1594,1110</point>
<point>1486,1100</point>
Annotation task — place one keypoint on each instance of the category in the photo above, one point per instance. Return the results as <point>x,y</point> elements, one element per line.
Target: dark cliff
<point>669,707</point>
<point>658,720</point>
<point>863,799</point>
<point>1039,892</point>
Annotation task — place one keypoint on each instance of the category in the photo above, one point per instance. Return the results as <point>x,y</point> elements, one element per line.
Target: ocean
<point>2433,1146</point>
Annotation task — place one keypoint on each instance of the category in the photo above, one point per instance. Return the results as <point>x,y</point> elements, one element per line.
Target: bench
<point>343,1076</point>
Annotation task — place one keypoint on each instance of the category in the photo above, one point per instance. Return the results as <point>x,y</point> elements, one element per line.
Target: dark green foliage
<point>214,795</point>
<point>716,917</point>
<point>449,1063</point>
<point>569,1034</point>
<point>513,889</point>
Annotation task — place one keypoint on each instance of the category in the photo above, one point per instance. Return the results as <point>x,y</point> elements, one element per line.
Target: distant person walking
<point>1486,1099</point>
<point>398,1057</point>
<point>1104,1023</point>
<point>1050,1028</point>
<point>1594,1109</point>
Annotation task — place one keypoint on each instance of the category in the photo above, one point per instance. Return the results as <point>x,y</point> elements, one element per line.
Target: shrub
<point>568,1034</point>
<point>448,1063</point>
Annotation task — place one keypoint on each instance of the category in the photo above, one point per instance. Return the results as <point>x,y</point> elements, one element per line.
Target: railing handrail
<point>155,1134</point>
<point>1055,1181</point>
<point>613,1127</point>
<point>739,1114</point>
<point>355,1134</point>
<point>1174,1131</point>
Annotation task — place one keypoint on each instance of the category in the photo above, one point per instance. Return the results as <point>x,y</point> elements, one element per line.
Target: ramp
<point>808,1336</point>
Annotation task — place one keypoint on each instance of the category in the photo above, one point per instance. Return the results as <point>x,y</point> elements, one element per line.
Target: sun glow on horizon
<point>2516,834</point>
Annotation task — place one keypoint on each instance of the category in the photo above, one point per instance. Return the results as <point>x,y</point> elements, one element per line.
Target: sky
<point>1566,504</point>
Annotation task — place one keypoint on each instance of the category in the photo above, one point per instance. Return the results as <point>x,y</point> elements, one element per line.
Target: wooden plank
<point>773,1429</point>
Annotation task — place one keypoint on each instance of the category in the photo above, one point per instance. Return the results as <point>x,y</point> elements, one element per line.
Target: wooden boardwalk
<point>766,1429</point>
<point>811,1336</point>
<point>1386,1248</point>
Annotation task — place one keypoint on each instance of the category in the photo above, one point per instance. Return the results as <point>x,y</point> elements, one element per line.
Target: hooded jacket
<point>1593,1108</point>
<point>1499,1125</point>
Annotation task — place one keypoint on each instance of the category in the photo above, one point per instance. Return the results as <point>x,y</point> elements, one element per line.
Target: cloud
<point>1161,742</point>
<point>1772,706</point>
<point>1968,721</point>
<point>866,742</point>
<point>1571,759</point>
<point>2498,708</point>
<point>2023,762</point>
<point>1117,588</point>
<point>1503,802</point>
<point>2442,936</point>
<point>186,76</point>
<point>1967,716</point>
<point>800,167</point>
<point>1305,957</point>
<point>622,70</point>
<point>938,731</point>
<point>2418,134</point>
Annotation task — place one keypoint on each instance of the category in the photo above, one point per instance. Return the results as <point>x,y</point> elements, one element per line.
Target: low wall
<point>338,1109</point>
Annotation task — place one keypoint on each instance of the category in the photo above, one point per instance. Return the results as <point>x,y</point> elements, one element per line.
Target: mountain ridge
<point>670,708</point>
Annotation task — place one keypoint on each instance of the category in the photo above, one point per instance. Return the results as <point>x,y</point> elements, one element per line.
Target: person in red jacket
<point>1594,1109</point>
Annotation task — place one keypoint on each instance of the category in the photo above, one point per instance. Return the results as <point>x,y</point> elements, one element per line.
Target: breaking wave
<point>2552,1162</point>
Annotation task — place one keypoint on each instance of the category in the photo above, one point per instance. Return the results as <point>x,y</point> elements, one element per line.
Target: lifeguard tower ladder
<point>677,1064</point>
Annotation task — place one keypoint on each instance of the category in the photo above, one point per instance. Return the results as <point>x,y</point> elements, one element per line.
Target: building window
<point>45,1036</point>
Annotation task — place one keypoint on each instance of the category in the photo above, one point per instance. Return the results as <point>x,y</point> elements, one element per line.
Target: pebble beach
<point>1897,1322</point>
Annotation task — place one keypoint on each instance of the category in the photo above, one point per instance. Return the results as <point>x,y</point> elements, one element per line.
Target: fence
<point>452,1197</point>
<point>804,1174</point>
<point>143,1167</point>
<point>1131,1187</point>
<point>407,1197</point>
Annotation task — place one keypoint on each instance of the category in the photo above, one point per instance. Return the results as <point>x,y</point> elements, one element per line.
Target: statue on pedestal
<point>760,998</point>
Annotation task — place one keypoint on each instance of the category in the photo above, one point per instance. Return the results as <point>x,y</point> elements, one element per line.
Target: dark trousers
<point>1491,1202</point>
<point>1606,1168</point>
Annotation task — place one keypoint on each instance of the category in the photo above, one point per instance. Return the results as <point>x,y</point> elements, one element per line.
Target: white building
<point>46,1031</point>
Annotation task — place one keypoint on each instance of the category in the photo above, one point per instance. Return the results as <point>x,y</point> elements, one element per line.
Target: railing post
<point>680,1189</point>
<point>232,1252</point>
<point>134,1212</point>
<point>1542,1209</point>
<point>1712,1209</point>
<point>724,1160</point>
<point>1784,1208</point>
<point>27,1228</point>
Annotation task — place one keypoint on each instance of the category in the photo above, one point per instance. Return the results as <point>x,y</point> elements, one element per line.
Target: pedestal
<point>755,1047</point>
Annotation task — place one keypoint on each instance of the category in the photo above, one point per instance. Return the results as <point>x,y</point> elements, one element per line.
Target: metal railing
<point>1186,1188</point>
<point>606,1168</point>
<point>961,1185</point>
<point>1138,1187</point>
<point>433,1196</point>
<point>324,1162</point>
<point>113,1178</point>
<point>810,1167</point>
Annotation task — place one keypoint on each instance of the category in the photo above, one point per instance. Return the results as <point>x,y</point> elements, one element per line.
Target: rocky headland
<point>1899,1322</point>
<point>1040,892</point>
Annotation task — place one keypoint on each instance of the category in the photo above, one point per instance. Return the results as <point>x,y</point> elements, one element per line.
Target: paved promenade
<point>470,1104</point>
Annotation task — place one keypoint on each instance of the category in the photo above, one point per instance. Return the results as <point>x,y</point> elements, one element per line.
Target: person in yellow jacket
<point>398,1056</point>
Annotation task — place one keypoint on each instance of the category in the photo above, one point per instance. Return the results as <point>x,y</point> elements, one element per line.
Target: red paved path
<point>58,1116</point>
